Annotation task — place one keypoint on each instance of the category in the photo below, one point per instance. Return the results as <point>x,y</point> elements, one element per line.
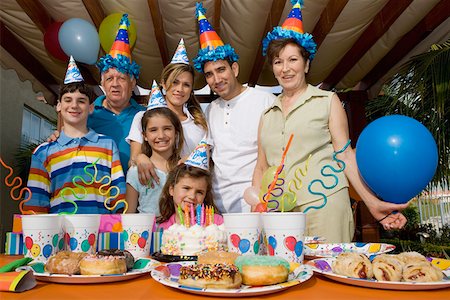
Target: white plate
<point>314,240</point>
<point>141,267</point>
<point>332,250</point>
<point>161,274</point>
<point>323,267</point>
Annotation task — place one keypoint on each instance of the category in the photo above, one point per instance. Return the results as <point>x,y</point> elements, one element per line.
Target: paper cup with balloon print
<point>137,233</point>
<point>285,234</point>
<point>244,233</point>
<point>42,236</point>
<point>81,232</point>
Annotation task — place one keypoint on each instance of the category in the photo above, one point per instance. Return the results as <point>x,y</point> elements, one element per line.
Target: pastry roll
<point>387,267</point>
<point>411,257</point>
<point>355,265</point>
<point>422,272</point>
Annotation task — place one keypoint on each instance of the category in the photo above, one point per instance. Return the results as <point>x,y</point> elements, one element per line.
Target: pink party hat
<point>156,98</point>
<point>73,73</point>
<point>180,56</point>
<point>200,156</point>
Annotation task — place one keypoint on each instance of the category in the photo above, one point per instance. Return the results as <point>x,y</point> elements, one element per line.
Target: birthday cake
<point>181,240</point>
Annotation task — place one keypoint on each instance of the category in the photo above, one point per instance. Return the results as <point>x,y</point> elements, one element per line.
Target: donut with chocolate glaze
<point>129,258</point>
<point>217,276</point>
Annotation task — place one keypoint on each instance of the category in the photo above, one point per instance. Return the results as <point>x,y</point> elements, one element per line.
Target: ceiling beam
<point>217,12</point>
<point>376,29</point>
<point>34,11</point>
<point>159,30</point>
<point>327,19</point>
<point>433,19</point>
<point>12,44</point>
<point>95,10</point>
<point>273,19</point>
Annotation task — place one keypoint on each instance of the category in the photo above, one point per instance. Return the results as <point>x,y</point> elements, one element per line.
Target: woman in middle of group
<point>318,123</point>
<point>177,79</point>
<point>163,140</point>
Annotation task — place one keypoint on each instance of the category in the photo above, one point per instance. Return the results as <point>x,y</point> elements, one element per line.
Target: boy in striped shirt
<point>72,169</point>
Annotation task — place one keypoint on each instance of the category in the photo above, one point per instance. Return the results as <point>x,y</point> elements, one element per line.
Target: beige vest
<point>308,121</point>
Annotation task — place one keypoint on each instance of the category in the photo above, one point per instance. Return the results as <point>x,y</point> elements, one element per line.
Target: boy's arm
<point>39,185</point>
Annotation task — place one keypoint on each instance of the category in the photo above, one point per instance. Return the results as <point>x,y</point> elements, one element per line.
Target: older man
<point>232,119</point>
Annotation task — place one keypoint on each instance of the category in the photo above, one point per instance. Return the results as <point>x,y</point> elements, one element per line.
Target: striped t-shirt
<point>88,166</point>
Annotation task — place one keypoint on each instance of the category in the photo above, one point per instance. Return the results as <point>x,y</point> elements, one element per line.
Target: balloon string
<point>277,173</point>
<point>336,179</point>
<point>16,186</point>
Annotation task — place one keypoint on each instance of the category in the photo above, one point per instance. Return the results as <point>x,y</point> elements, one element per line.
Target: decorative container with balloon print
<point>81,232</point>
<point>137,233</point>
<point>244,233</point>
<point>285,234</point>
<point>42,236</point>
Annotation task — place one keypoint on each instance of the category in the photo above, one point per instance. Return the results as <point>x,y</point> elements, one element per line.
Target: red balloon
<point>51,41</point>
<point>91,239</point>
<point>271,250</point>
<point>142,242</point>
<point>28,242</point>
<point>290,242</point>
<point>67,238</point>
<point>235,239</point>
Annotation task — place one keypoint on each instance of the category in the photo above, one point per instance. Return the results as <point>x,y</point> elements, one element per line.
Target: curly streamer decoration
<point>322,171</point>
<point>16,183</point>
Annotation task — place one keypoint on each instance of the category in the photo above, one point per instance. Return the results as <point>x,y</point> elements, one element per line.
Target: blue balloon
<point>73,243</point>
<point>397,157</point>
<point>244,245</point>
<point>145,234</point>
<point>79,38</point>
<point>298,248</point>
<point>273,242</point>
<point>47,251</point>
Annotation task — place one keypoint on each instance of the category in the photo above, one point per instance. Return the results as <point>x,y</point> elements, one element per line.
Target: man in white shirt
<point>233,119</point>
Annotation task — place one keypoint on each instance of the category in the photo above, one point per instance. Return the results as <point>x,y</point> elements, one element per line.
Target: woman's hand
<point>146,170</point>
<point>387,214</point>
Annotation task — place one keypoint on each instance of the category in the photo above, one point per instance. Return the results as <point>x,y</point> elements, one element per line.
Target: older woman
<point>319,126</point>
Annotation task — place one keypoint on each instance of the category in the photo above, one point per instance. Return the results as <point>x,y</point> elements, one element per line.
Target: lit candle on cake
<point>187,223</point>
<point>180,215</point>
<point>212,214</point>
<point>202,221</point>
<point>199,212</point>
<point>191,206</point>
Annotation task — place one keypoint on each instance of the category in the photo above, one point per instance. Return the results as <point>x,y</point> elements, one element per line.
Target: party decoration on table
<point>16,183</point>
<point>73,73</point>
<point>119,56</point>
<point>79,38</point>
<point>108,29</point>
<point>180,56</point>
<point>336,179</point>
<point>51,41</point>
<point>17,281</point>
<point>266,198</point>
<point>156,98</point>
<point>397,157</point>
<point>212,47</point>
<point>292,28</point>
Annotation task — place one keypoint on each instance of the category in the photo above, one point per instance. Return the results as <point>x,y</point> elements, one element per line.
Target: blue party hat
<point>156,98</point>
<point>73,73</point>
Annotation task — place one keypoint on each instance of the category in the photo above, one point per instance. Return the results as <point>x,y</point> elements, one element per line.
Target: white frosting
<point>180,240</point>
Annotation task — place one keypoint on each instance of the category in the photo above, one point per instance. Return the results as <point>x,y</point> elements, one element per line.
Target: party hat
<point>292,28</point>
<point>156,98</point>
<point>119,56</point>
<point>211,46</point>
<point>73,73</point>
<point>200,156</point>
<point>180,56</point>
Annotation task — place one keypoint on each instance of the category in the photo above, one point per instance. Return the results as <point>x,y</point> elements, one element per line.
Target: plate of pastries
<point>227,274</point>
<point>317,250</point>
<point>404,271</point>
<point>104,266</point>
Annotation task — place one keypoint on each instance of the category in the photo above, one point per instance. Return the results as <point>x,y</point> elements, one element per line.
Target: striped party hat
<point>200,156</point>
<point>156,98</point>
<point>292,28</point>
<point>212,47</point>
<point>119,56</point>
<point>180,56</point>
<point>73,73</point>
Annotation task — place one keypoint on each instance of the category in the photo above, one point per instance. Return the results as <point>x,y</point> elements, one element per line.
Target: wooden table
<point>146,288</point>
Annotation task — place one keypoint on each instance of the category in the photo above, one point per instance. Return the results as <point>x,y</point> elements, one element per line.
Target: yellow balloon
<point>134,238</point>
<point>35,250</point>
<point>107,31</point>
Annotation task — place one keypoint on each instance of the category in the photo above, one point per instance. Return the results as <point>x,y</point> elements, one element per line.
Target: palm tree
<point>421,90</point>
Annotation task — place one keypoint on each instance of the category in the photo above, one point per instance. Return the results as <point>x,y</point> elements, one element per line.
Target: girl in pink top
<point>185,185</point>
